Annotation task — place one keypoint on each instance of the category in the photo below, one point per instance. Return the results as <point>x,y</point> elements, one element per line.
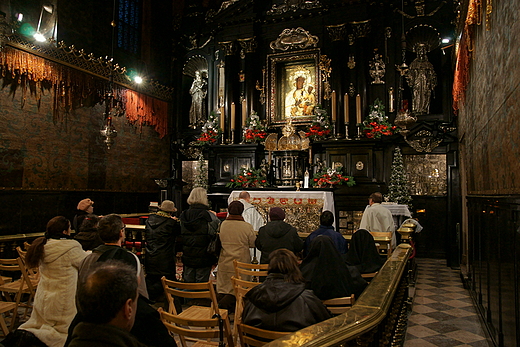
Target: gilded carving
<point>297,38</point>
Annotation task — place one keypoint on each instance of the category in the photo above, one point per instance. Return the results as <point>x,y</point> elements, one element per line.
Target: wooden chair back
<point>241,287</point>
<point>251,336</point>
<point>194,313</point>
<point>339,305</point>
<point>174,289</point>
<point>204,329</point>
<point>246,271</point>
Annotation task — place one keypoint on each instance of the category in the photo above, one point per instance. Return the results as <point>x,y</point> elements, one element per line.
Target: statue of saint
<point>422,79</point>
<point>198,91</point>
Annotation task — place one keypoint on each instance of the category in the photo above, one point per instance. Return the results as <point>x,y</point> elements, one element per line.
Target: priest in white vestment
<point>378,218</point>
<point>252,216</point>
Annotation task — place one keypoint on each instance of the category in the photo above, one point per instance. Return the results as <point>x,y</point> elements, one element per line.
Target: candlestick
<point>346,132</point>
<point>358,109</point>
<point>345,105</point>
<point>244,112</point>
<point>232,116</point>
<point>391,99</point>
<point>222,119</point>
<point>333,105</point>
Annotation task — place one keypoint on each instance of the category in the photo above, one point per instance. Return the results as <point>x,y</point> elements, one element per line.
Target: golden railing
<point>378,318</point>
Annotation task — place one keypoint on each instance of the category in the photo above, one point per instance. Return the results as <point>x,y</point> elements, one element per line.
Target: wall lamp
<point>38,35</point>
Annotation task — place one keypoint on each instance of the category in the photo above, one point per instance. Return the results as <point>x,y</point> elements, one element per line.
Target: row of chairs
<point>11,291</point>
<point>200,324</point>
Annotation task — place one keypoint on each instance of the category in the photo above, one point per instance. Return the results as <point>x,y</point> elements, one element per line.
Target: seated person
<point>326,273</point>
<point>282,303</point>
<point>107,300</point>
<point>326,228</point>
<point>88,235</point>
<point>277,234</point>
<point>363,253</point>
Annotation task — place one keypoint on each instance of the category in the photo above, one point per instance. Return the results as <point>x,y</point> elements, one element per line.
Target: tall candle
<point>345,105</point>
<point>333,105</point>
<point>222,118</point>
<point>233,116</point>
<point>358,108</point>
<point>244,112</point>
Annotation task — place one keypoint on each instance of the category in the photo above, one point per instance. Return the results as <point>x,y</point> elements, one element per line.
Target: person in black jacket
<point>363,253</point>
<point>198,224</point>
<point>326,273</point>
<point>88,235</point>
<point>277,234</point>
<point>161,232</point>
<point>282,303</point>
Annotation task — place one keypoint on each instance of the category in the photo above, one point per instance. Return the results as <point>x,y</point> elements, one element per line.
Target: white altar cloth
<point>295,203</point>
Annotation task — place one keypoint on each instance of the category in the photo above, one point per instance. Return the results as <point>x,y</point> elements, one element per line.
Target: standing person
<point>251,215</point>
<point>282,303</point>
<point>58,257</point>
<point>277,234</point>
<point>198,224</point>
<point>326,228</point>
<point>161,232</point>
<point>85,206</point>
<point>107,299</point>
<point>378,218</point>
<point>236,236</point>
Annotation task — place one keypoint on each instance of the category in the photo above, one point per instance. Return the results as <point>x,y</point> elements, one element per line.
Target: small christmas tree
<point>201,173</point>
<point>398,189</point>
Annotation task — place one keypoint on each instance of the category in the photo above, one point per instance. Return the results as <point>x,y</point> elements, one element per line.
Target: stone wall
<point>38,152</point>
<point>48,165</point>
<point>489,120</point>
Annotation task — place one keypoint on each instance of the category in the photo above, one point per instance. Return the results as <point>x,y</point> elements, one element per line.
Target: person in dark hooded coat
<point>277,234</point>
<point>326,273</point>
<point>198,225</point>
<point>363,253</point>
<point>161,233</point>
<point>282,303</point>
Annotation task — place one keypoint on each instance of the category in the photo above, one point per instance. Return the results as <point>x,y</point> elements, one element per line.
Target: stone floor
<point>443,313</point>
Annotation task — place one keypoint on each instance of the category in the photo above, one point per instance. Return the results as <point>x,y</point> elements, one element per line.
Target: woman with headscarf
<point>236,237</point>
<point>363,253</point>
<point>281,302</point>
<point>326,273</point>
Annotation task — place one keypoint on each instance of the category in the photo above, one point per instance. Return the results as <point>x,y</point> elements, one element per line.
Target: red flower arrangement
<point>320,128</point>
<point>253,135</point>
<point>248,178</point>
<point>208,137</point>
<point>376,123</point>
<point>255,131</point>
<point>316,132</point>
<point>376,130</point>
<point>331,177</point>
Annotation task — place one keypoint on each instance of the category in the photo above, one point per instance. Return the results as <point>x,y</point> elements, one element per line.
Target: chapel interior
<point>131,102</point>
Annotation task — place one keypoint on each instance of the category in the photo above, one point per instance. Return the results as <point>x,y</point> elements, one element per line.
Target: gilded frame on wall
<point>294,86</point>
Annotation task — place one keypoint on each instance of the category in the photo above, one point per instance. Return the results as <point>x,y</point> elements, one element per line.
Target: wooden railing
<point>378,318</point>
